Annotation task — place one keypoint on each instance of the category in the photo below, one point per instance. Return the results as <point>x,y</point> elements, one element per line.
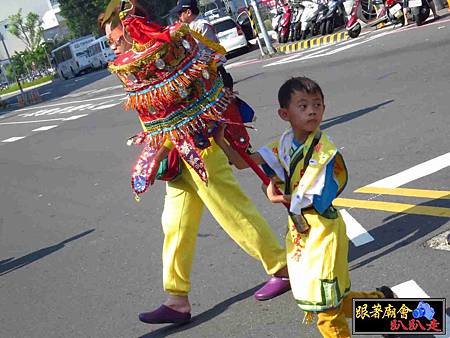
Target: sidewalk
<point>17,92</point>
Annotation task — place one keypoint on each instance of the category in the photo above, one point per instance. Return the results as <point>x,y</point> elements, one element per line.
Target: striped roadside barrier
<point>329,39</point>
<point>253,22</point>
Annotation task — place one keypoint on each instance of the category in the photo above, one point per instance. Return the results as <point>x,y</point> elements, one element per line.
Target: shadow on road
<point>11,264</point>
<point>202,317</point>
<point>399,230</point>
<point>248,78</point>
<point>328,123</point>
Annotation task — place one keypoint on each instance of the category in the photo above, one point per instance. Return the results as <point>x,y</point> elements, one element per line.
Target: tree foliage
<point>81,16</point>
<point>27,29</point>
<point>30,63</point>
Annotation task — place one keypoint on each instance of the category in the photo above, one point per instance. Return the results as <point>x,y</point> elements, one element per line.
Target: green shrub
<point>35,82</point>
<point>268,24</point>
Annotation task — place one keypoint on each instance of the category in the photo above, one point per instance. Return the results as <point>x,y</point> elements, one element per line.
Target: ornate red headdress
<point>174,86</point>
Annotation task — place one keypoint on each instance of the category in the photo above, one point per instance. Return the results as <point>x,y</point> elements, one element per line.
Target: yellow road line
<point>392,207</point>
<point>422,193</point>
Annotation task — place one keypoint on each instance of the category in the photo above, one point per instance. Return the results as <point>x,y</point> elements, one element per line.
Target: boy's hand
<point>274,196</point>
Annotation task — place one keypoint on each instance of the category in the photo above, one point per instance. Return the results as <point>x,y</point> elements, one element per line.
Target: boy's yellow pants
<point>185,200</point>
<point>333,323</point>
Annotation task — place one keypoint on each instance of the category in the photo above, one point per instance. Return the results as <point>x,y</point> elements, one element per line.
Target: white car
<point>212,14</point>
<point>230,34</point>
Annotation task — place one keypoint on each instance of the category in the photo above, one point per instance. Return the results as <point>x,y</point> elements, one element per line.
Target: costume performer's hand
<point>219,136</point>
<point>154,166</point>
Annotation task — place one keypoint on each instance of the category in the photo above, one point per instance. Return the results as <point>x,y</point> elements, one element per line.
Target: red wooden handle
<point>256,168</point>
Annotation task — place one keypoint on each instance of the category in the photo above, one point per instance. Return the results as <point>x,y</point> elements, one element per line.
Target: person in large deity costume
<point>180,100</point>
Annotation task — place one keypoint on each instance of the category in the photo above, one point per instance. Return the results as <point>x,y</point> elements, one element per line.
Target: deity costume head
<point>176,90</point>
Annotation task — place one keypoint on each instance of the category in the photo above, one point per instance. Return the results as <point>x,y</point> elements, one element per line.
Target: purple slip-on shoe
<point>164,315</point>
<point>274,287</point>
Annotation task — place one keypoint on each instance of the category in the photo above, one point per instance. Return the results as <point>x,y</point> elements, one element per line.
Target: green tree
<point>27,29</point>
<point>10,73</point>
<point>81,16</point>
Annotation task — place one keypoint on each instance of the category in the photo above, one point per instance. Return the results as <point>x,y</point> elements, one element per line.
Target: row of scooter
<point>296,20</point>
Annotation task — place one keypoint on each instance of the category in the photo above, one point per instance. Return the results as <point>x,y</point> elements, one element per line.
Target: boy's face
<point>304,112</point>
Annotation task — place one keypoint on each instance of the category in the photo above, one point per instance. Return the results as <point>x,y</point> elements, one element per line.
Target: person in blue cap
<point>188,12</point>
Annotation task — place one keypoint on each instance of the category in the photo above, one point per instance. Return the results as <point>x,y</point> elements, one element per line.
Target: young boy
<point>307,166</point>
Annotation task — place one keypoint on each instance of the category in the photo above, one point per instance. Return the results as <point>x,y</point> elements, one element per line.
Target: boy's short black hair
<point>300,83</point>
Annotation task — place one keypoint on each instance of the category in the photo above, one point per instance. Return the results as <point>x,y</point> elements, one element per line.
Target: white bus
<point>100,53</point>
<point>72,58</point>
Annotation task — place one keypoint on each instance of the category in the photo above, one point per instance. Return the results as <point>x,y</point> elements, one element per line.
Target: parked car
<point>212,14</point>
<point>230,34</point>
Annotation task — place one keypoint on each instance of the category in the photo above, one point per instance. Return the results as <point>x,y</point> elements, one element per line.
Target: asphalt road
<point>80,258</point>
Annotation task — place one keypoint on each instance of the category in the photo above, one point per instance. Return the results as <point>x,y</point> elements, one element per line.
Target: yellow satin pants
<point>333,323</point>
<point>185,200</point>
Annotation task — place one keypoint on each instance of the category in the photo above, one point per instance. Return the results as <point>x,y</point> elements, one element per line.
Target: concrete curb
<point>313,43</point>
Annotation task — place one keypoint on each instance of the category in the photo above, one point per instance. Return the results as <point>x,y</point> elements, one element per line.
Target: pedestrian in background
<point>189,13</point>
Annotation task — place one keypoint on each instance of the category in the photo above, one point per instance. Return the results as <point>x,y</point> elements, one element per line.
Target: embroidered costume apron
<point>318,258</point>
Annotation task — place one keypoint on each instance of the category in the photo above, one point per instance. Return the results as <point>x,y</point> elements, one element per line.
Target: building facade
<point>48,10</point>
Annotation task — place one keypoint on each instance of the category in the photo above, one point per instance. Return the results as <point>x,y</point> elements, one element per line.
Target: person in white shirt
<point>189,13</point>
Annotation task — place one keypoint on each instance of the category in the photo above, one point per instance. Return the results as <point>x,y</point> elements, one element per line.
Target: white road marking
<point>414,173</point>
<point>341,47</point>
<point>106,106</point>
<point>47,120</point>
<point>411,289</point>
<point>300,56</point>
<point>72,102</point>
<point>70,109</point>
<point>355,231</point>
<point>92,91</point>
<point>75,117</point>
<point>45,128</point>
<point>13,139</point>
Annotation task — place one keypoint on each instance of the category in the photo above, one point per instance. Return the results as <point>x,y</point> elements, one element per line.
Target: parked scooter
<point>353,26</point>
<point>281,22</point>
<point>320,21</point>
<point>394,11</point>
<point>335,16</point>
<point>295,30</point>
<point>420,10</point>
<point>309,16</point>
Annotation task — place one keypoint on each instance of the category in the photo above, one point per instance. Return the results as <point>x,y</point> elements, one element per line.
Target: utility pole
<point>262,27</point>
<point>10,62</point>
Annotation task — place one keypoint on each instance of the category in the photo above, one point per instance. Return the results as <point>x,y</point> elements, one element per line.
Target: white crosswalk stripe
<point>13,139</point>
<point>45,128</point>
<point>410,289</point>
<point>355,231</point>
